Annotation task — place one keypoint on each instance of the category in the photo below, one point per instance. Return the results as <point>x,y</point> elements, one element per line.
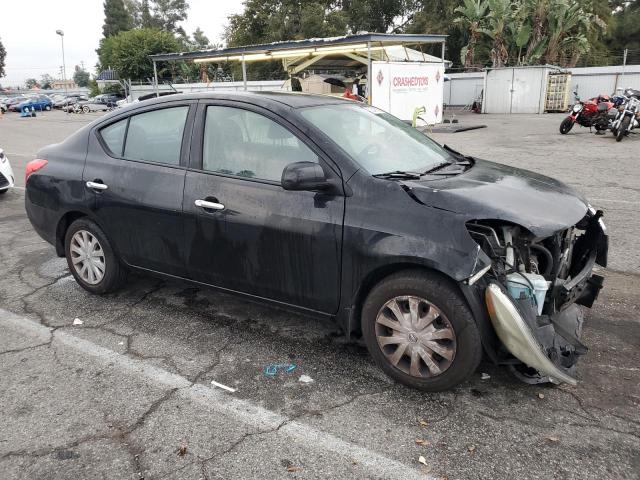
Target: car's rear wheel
<point>86,109</point>
<point>47,108</point>
<point>420,331</point>
<point>91,258</point>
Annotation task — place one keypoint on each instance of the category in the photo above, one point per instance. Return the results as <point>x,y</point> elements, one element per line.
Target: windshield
<point>378,141</point>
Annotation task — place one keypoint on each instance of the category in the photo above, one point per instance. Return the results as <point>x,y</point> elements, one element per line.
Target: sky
<point>34,49</point>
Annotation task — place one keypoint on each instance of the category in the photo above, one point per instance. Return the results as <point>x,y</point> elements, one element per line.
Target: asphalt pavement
<point>120,386</point>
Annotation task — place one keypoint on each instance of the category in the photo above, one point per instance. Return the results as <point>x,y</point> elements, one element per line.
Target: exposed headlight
<point>577,108</point>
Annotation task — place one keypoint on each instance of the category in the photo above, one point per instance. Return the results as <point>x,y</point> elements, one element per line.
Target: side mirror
<point>307,176</point>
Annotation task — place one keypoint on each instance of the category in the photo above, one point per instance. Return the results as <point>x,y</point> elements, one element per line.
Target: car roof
<point>290,99</point>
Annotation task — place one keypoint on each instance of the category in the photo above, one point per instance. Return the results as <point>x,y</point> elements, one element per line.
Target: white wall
<point>591,81</point>
<point>463,88</point>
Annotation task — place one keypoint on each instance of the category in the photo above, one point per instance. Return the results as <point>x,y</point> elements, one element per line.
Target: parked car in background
<point>14,101</point>
<point>3,107</point>
<point>38,103</point>
<point>6,173</point>
<point>69,100</point>
<point>336,209</point>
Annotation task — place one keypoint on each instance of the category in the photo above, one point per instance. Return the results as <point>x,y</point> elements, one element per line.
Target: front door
<point>135,171</point>
<point>251,235</point>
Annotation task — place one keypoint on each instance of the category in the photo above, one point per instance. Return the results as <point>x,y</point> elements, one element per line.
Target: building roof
<point>378,39</point>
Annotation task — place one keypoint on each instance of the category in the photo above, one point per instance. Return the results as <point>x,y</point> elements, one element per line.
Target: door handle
<point>97,186</point>
<point>209,205</point>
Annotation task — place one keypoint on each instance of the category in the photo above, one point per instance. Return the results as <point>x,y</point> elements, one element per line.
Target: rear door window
<point>156,136</point>
<point>113,137</point>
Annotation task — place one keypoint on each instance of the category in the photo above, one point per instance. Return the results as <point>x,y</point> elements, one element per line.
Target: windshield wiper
<point>437,167</point>
<point>467,159</point>
<point>400,174</point>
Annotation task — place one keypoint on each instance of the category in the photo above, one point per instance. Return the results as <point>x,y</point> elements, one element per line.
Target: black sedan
<point>338,209</point>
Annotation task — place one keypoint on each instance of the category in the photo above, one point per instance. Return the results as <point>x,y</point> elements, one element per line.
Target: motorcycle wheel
<point>624,125</point>
<point>566,125</point>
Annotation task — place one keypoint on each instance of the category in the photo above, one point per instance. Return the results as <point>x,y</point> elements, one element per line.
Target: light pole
<point>64,67</point>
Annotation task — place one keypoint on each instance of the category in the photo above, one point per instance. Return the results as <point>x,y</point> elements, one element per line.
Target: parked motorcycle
<point>628,116</point>
<point>591,113</point>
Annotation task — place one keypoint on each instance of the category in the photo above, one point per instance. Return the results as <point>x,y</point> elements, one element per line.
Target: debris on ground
<point>553,439</point>
<point>224,387</point>
<point>471,448</point>
<point>293,469</point>
<point>422,460</point>
<point>182,450</point>
<point>485,376</point>
<point>77,321</point>
<point>541,396</point>
<point>305,379</point>
<point>422,423</point>
<point>273,368</point>
<point>423,442</point>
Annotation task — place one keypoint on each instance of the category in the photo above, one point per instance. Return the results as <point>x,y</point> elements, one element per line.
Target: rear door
<point>135,173</point>
<point>258,238</point>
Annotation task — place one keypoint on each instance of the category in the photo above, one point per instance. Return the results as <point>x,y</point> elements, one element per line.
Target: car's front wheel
<point>420,331</point>
<point>47,108</point>
<point>91,258</point>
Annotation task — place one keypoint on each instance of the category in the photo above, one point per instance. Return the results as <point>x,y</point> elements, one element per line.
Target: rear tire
<point>85,109</point>
<point>438,305</point>
<point>622,131</point>
<point>566,125</point>
<point>91,258</point>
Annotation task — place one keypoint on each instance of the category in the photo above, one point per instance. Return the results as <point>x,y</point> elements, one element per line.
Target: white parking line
<point>241,411</point>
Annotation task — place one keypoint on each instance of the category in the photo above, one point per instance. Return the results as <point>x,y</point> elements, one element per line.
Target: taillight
<point>33,166</point>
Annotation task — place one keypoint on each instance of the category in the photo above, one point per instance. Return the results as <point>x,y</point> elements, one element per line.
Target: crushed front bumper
<point>550,343</point>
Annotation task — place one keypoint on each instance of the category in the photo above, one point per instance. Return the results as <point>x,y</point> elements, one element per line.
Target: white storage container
<point>519,287</point>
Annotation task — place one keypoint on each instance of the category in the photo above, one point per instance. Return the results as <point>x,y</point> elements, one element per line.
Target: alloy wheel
<point>415,336</point>
<point>87,257</point>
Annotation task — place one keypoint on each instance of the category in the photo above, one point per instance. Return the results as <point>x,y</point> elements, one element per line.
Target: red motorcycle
<point>591,113</point>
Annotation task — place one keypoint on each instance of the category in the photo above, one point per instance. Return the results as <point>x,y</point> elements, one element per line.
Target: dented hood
<point>490,190</point>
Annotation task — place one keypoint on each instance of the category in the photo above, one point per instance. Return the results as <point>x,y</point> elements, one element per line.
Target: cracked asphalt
<point>127,394</point>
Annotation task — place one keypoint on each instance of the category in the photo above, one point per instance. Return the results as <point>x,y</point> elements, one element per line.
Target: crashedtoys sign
<point>401,87</point>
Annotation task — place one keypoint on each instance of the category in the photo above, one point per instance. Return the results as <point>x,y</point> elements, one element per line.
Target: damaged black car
<point>336,209</point>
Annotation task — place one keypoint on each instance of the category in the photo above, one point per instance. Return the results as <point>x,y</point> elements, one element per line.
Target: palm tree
<point>537,43</point>
<point>500,15</point>
<point>567,19</point>
<point>472,14</point>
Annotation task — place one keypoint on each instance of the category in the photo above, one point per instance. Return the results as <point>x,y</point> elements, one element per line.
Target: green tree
<point>128,52</point>
<point>116,18</point>
<point>168,13</point>
<point>46,81</point>
<point>200,40</point>
<point>472,15</point>
<point>624,32</point>
<point>30,83</point>
<point>81,77</point>
<point>3,56</point>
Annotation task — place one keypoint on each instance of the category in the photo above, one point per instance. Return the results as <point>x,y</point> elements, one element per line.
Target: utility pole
<point>624,64</point>
<point>64,67</point>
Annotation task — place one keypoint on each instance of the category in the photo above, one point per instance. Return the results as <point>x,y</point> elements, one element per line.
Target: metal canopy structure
<point>344,52</point>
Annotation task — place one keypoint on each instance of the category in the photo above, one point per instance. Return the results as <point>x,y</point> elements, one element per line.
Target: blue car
<point>39,103</point>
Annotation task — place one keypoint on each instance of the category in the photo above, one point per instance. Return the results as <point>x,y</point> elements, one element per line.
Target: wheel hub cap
<point>87,257</point>
<point>415,336</point>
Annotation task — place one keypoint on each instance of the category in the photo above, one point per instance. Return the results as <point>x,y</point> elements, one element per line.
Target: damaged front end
<point>532,288</point>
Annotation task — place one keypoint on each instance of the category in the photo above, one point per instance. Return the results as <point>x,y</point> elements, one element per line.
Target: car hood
<point>490,190</point>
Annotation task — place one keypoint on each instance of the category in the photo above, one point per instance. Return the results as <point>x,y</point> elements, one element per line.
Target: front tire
<point>48,108</point>
<point>566,125</point>
<point>91,258</point>
<point>622,131</point>
<point>420,331</point>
